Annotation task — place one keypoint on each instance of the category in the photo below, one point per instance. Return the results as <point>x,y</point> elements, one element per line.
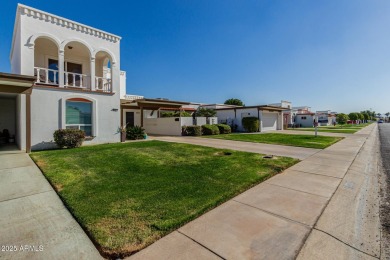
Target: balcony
<point>50,77</point>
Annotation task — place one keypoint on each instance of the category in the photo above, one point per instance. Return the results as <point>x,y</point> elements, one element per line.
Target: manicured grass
<point>346,129</point>
<point>309,141</point>
<point>326,130</point>
<point>129,195</point>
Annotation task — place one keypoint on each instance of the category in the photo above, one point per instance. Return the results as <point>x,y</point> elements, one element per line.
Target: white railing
<point>46,76</point>
<point>76,80</point>
<point>103,84</point>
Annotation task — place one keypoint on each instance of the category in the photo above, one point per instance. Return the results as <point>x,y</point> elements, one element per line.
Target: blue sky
<point>327,54</point>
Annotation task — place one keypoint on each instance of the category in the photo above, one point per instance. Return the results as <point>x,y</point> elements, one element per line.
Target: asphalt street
<point>384,136</point>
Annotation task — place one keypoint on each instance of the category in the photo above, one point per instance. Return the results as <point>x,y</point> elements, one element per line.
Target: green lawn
<point>346,129</point>
<point>309,141</point>
<point>129,195</point>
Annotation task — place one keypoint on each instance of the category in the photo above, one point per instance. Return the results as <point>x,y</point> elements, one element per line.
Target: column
<point>93,71</point>
<point>28,123</point>
<point>61,68</point>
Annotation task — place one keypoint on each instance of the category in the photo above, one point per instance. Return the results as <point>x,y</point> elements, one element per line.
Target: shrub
<point>224,129</point>
<point>69,138</point>
<point>251,124</point>
<point>210,130</point>
<point>192,130</point>
<point>135,132</point>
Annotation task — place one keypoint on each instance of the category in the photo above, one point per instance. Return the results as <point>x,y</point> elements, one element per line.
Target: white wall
<point>122,90</point>
<point>8,115</point>
<point>137,116</point>
<point>46,116</point>
<point>308,122</point>
<point>162,126</point>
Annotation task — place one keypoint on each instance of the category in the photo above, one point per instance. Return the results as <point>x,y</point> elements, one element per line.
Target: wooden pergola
<point>20,84</point>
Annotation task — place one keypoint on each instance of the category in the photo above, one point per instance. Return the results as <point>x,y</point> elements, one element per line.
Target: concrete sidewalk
<point>274,219</point>
<point>279,150</point>
<point>33,218</point>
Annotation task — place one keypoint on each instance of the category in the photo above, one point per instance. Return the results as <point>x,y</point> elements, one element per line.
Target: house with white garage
<point>78,80</point>
<point>270,117</point>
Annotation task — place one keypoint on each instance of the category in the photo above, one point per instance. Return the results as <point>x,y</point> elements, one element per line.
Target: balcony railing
<point>71,80</point>
<point>103,84</point>
<point>77,80</point>
<point>46,76</point>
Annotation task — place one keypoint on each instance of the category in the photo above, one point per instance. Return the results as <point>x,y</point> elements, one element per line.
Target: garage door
<point>269,121</point>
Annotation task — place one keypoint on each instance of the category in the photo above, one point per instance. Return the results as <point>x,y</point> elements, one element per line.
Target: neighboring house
<point>146,112</point>
<point>288,117</point>
<point>304,119</point>
<point>78,79</point>
<point>271,117</point>
<point>326,117</point>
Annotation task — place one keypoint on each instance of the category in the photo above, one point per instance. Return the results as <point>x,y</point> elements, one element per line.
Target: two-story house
<point>78,79</point>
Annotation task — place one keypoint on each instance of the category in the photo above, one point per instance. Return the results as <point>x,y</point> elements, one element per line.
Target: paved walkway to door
<point>32,216</point>
<point>279,150</point>
<point>324,207</point>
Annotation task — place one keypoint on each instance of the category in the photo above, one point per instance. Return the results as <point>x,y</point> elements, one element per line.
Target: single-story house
<point>304,119</point>
<point>146,112</point>
<point>271,117</point>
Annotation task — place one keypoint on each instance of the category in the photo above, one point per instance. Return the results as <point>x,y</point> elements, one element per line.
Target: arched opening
<point>46,61</point>
<point>77,67</point>
<point>103,71</point>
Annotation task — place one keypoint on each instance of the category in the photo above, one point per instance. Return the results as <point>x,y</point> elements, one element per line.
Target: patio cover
<point>20,84</point>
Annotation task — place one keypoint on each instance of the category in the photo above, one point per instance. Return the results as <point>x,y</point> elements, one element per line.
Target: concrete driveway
<point>34,223</point>
<point>279,150</point>
<point>324,207</point>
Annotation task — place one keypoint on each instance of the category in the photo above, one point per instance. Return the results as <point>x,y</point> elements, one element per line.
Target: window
<point>79,115</point>
<point>303,118</point>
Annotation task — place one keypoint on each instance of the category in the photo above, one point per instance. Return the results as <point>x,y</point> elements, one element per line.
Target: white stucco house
<point>270,117</point>
<point>78,80</point>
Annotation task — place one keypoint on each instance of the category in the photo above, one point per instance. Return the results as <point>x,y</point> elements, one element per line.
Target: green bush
<point>175,114</point>
<point>69,138</point>
<point>135,132</point>
<point>192,130</point>
<point>341,119</point>
<point>224,129</point>
<point>251,124</point>
<point>210,130</point>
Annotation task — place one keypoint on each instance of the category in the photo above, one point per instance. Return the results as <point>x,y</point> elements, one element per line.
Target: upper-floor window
<point>79,115</point>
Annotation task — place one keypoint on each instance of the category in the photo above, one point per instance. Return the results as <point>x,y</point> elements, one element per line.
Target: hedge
<point>191,130</point>
<point>69,138</point>
<point>251,124</point>
<point>210,130</point>
<point>224,129</point>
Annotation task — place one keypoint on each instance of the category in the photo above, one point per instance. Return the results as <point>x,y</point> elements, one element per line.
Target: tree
<point>341,118</point>
<point>387,114</point>
<point>205,112</point>
<point>234,101</point>
<point>353,116</point>
<point>366,116</point>
<point>360,116</point>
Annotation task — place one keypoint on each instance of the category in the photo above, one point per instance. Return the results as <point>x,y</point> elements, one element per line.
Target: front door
<point>129,119</point>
